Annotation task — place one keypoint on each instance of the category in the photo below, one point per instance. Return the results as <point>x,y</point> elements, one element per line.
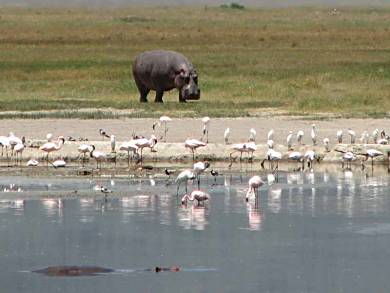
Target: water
<point>310,232</point>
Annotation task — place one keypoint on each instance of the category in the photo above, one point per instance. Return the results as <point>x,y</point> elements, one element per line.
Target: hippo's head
<point>187,83</point>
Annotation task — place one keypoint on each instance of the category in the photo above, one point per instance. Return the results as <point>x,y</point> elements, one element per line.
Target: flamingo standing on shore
<point>129,146</point>
<point>4,143</point>
<point>50,147</point>
<point>254,183</point>
<point>226,135</point>
<point>270,135</point>
<point>98,156</point>
<point>252,135</point>
<point>289,140</point>
<point>84,149</point>
<point>113,143</point>
<point>19,148</point>
<point>142,143</point>
<point>313,134</point>
<point>339,136</point>
<point>193,144</point>
<point>326,144</point>
<point>375,135</point>
<point>206,124</point>
<point>352,134</point>
<point>300,134</point>
<point>163,120</point>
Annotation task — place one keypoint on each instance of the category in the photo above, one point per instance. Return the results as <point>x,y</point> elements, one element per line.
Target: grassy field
<point>301,60</point>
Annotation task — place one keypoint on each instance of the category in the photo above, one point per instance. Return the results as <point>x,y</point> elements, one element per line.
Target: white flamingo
<point>193,144</point>
<point>297,156</point>
<point>32,163</point>
<point>113,143</point>
<point>142,143</point>
<point>326,144</point>
<point>347,158</point>
<point>206,124</point>
<point>129,146</point>
<point>352,134</point>
<point>60,163</point>
<point>254,183</point>
<point>4,143</point>
<point>199,168</point>
<point>84,149</point>
<point>252,135</point>
<point>198,195</point>
<point>371,153</point>
<point>375,135</point>
<point>272,156</point>
<point>289,140</point>
<point>184,177</point>
<point>226,135</point>
<point>50,147</point>
<point>19,148</point>
<point>313,134</point>
<point>300,134</point>
<point>163,120</point>
<point>270,135</point>
<point>339,136</point>
<point>98,156</point>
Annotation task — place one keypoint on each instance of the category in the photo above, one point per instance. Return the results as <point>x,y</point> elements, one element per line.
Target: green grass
<point>298,60</point>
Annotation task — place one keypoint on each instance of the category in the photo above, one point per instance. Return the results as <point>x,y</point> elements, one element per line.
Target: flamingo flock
<point>13,147</point>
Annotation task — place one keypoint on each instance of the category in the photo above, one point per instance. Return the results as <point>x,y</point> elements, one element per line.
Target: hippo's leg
<point>159,95</point>
<point>143,91</point>
<point>181,100</point>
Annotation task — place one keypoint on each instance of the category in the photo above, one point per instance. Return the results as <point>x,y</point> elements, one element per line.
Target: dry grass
<point>298,60</point>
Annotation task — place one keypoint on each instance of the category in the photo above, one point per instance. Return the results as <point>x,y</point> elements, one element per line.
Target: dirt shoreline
<point>180,129</point>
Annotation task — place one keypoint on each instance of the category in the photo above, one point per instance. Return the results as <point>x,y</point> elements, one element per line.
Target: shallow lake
<point>308,232</point>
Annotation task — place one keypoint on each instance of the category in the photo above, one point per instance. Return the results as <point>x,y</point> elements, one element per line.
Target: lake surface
<point>309,232</point>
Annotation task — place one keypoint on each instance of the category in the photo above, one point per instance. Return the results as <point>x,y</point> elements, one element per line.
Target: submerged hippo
<point>162,71</point>
<point>78,271</point>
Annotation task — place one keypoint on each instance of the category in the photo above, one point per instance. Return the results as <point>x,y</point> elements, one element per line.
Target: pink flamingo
<point>254,183</point>
<point>199,195</point>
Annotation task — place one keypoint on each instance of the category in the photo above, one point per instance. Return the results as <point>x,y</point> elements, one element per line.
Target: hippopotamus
<point>162,71</point>
<point>78,271</point>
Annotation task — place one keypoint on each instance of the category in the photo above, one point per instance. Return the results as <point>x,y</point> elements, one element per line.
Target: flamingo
<point>347,158</point>
<point>352,134</point>
<point>310,156</point>
<point>103,134</point>
<point>254,183</point>
<point>199,168</point>
<point>142,143</point>
<point>84,149</point>
<point>193,144</point>
<point>198,195</point>
<point>272,156</point>
<point>365,137</point>
<point>4,142</point>
<point>382,141</point>
<point>313,134</point>
<point>270,135</point>
<point>98,156</point>
<point>289,140</point>
<point>163,120</point>
<point>296,156</point>
<point>206,124</point>
<point>252,135</point>
<point>19,148</point>
<point>249,147</point>
<point>226,135</point>
<point>14,140</point>
<point>339,136</point>
<point>59,164</point>
<point>326,144</point>
<point>300,134</point>
<point>371,153</point>
<point>128,147</point>
<point>52,147</point>
<point>32,163</point>
<point>375,135</point>
<point>112,141</point>
<point>49,137</point>
<point>183,177</point>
